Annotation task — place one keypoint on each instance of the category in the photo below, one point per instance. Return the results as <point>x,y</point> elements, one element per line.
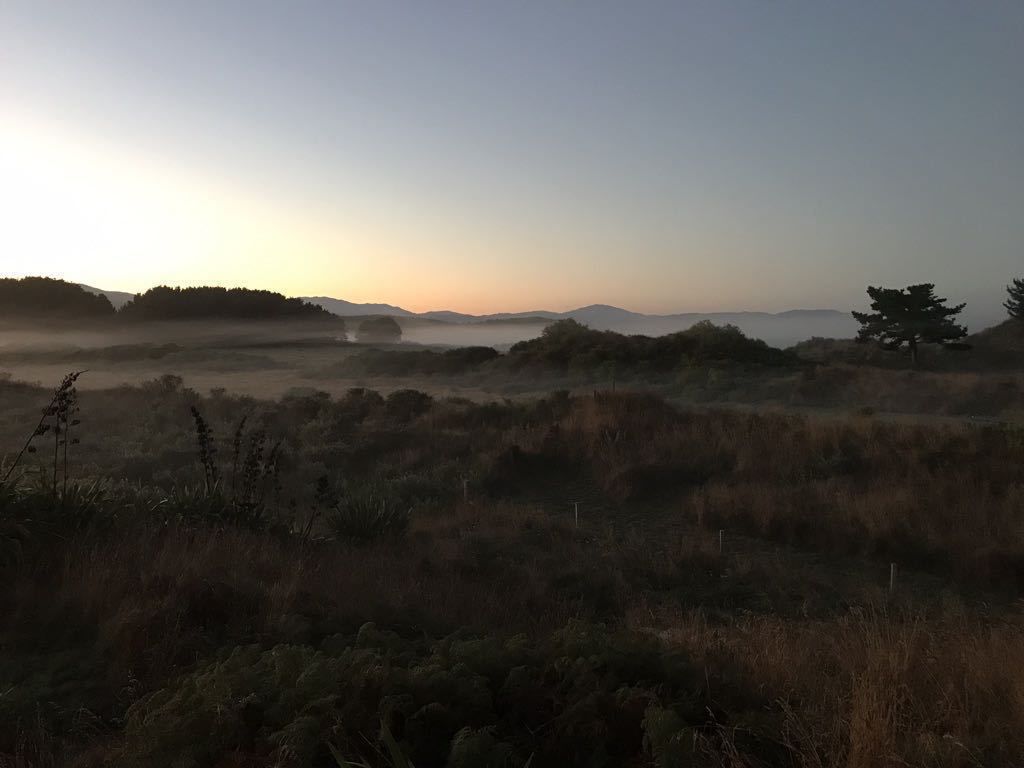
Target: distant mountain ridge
<point>592,313</point>
<point>778,328</point>
<point>351,309</point>
<point>117,298</point>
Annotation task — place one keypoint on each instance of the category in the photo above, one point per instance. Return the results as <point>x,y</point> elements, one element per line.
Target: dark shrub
<point>407,404</point>
<point>379,330</point>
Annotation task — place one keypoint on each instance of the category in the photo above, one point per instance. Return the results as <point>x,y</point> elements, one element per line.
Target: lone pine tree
<point>912,315</point>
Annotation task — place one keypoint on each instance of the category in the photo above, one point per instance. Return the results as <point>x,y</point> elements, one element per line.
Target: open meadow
<point>247,555</point>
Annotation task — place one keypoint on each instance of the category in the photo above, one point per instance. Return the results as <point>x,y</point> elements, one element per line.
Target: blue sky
<point>507,156</point>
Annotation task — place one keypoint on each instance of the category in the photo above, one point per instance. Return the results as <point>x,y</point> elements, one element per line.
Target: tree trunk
<point>913,351</point>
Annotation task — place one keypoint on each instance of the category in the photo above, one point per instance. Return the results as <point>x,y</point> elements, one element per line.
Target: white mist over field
<point>778,330</point>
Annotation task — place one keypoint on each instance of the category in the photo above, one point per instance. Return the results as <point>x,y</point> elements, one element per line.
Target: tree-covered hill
<point>208,303</point>
<point>43,299</point>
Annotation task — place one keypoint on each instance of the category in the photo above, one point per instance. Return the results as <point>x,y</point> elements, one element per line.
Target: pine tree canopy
<point>912,315</point>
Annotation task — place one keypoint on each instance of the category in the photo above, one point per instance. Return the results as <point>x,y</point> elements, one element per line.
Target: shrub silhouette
<point>379,330</point>
<point>569,345</point>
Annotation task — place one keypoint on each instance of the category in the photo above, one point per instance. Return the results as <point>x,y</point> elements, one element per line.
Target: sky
<point>494,156</point>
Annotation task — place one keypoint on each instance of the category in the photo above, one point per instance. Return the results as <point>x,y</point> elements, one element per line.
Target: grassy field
<point>595,579</point>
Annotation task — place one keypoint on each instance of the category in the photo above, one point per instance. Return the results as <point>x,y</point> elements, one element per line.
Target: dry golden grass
<point>794,631</point>
<point>874,689</point>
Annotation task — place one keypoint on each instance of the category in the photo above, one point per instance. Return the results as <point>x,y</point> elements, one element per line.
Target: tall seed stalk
<point>61,405</point>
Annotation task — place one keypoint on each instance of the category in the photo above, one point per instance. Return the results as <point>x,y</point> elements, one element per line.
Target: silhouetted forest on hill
<point>44,298</point>
<point>47,299</point>
<point>165,303</point>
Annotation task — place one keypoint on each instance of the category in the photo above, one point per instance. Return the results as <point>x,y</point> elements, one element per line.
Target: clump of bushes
<point>406,404</point>
<point>567,346</point>
<point>570,346</point>
<point>379,330</point>
<point>582,696</point>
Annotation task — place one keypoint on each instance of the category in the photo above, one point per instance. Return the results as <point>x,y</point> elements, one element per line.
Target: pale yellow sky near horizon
<point>117,218</point>
<point>90,211</point>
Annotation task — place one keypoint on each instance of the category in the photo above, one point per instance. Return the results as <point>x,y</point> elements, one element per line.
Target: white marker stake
<point>576,512</point>
<point>721,540</point>
<point>892,577</point>
<point>465,489</point>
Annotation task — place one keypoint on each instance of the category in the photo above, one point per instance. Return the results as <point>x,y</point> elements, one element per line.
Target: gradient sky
<point>487,156</point>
